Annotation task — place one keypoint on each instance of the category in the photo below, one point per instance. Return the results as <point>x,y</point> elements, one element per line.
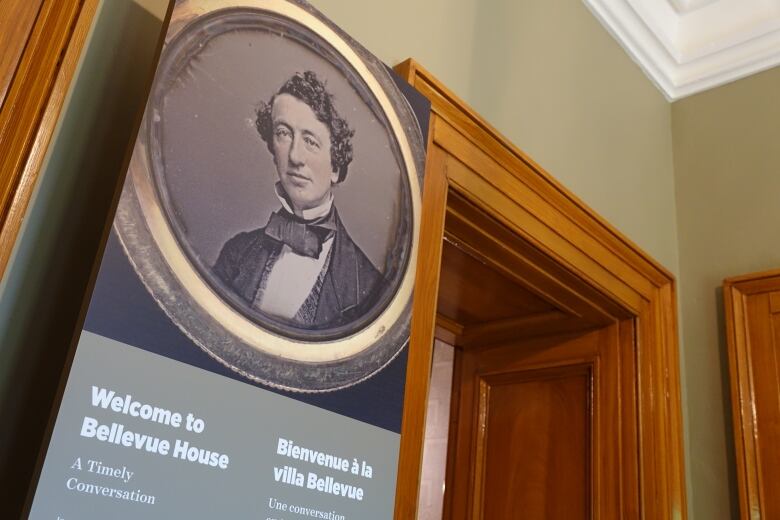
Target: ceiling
<point>687,46</point>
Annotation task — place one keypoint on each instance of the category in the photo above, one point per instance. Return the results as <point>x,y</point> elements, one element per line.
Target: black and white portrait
<point>303,266</point>
<point>272,201</point>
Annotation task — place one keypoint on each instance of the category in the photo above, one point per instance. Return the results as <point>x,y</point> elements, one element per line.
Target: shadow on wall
<point>46,279</point>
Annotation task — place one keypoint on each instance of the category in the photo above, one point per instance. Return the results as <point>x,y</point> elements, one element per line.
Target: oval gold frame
<point>140,199</point>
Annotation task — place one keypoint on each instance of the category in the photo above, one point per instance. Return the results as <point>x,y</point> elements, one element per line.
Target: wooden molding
<point>418,369</point>
<point>16,21</point>
<point>32,106</point>
<point>448,330</point>
<point>518,260</point>
<point>744,353</point>
<point>471,161</point>
<point>503,330</point>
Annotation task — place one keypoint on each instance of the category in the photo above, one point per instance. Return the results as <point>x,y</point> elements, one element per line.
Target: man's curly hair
<point>311,90</point>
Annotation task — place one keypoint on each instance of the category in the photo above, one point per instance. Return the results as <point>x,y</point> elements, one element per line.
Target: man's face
<point>301,145</point>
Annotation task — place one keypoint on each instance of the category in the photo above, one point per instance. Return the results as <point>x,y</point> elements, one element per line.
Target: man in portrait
<point>302,266</point>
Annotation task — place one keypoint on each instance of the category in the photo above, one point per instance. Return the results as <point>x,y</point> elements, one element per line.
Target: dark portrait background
<point>220,173</point>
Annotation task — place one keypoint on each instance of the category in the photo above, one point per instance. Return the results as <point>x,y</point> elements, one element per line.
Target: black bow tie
<point>304,237</point>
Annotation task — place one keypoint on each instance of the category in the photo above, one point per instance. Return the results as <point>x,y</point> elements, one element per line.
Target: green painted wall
<point>727,166</point>
<point>557,84</point>
<point>548,76</point>
<point>438,33</point>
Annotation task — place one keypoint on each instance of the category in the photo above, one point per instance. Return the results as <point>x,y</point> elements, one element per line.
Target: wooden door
<point>524,437</point>
<point>753,333</point>
<point>534,445</point>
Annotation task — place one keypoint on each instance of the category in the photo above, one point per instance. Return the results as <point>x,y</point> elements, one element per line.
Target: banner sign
<point>243,354</point>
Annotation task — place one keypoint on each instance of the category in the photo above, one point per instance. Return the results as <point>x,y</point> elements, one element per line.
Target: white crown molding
<point>684,6</point>
<point>687,46</point>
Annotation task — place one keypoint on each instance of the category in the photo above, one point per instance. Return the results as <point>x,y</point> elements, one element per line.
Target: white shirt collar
<point>308,214</point>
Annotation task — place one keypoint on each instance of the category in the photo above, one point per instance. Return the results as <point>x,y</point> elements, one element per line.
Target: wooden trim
<point>434,201</point>
<point>539,219</point>
<point>453,109</point>
<point>477,493</point>
<point>487,334</point>
<point>485,169</point>
<point>629,503</point>
<point>447,330</point>
<point>736,291</point>
<point>32,106</point>
<point>750,283</point>
<point>490,242</point>
<point>774,303</point>
<point>16,22</point>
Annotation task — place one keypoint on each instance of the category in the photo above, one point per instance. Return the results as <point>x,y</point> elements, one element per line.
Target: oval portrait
<point>273,197</point>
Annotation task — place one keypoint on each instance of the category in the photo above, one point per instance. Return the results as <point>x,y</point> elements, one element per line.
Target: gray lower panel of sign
<point>266,456</point>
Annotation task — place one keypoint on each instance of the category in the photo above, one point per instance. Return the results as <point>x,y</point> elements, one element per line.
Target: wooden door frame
<point>32,105</point>
<point>528,201</point>
<point>736,290</point>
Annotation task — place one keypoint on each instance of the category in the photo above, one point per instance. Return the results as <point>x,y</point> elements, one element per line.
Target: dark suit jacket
<point>349,287</point>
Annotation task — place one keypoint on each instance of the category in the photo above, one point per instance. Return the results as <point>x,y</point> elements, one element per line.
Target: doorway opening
<point>565,399</point>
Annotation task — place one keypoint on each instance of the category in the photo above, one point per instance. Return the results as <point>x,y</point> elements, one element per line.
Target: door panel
<point>536,445</point>
<point>540,430</point>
